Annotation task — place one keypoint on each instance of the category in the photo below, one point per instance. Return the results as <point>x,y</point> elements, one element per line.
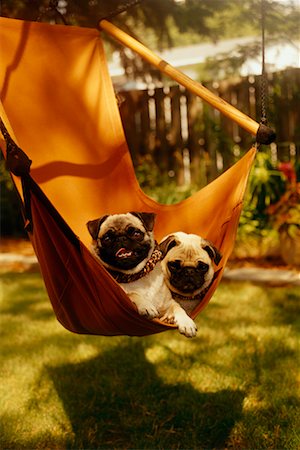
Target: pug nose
<point>122,239</point>
<point>189,271</point>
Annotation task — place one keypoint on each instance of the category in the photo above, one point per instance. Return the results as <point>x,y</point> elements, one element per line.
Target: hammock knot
<point>17,162</point>
<point>265,135</point>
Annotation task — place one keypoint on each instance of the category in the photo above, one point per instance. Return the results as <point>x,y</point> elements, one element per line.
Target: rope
<point>264,135</point>
<point>264,79</point>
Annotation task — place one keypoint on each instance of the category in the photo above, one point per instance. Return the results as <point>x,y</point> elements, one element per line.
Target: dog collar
<point>199,296</point>
<point>121,277</point>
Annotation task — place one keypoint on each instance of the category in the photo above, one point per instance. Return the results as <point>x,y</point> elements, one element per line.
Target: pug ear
<point>146,218</point>
<point>166,244</point>
<point>94,226</point>
<point>212,251</point>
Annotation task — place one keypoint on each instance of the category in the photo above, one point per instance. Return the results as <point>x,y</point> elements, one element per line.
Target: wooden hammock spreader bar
<point>197,88</point>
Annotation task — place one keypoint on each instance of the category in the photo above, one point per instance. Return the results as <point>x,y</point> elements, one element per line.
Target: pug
<point>125,245</point>
<point>188,267</point>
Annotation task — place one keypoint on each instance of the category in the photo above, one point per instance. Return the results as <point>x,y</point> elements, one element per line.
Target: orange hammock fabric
<point>61,109</point>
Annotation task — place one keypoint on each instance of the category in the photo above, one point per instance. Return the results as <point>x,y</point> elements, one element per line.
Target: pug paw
<point>186,326</point>
<point>147,310</point>
<point>168,318</point>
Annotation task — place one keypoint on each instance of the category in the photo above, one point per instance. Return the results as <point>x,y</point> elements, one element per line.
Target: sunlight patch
<point>209,379</point>
<point>156,354</point>
<point>179,346</point>
<point>84,352</point>
<point>253,402</point>
<point>258,332</point>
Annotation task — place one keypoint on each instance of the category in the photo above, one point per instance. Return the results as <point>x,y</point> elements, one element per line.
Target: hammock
<point>60,108</point>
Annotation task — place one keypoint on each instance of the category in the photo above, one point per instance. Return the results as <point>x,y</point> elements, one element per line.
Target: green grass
<point>233,387</point>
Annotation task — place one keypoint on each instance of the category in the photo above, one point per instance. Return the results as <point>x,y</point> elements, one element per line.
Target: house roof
<point>278,57</point>
<point>187,55</point>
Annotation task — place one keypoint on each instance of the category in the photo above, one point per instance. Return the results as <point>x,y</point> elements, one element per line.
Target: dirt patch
<point>17,255</point>
<point>19,246</point>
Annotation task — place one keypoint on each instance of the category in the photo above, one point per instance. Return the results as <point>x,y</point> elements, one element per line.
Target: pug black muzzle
<point>187,279</point>
<point>124,250</point>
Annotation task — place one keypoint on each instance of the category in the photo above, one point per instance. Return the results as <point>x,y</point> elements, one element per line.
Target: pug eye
<point>107,238</point>
<point>202,266</point>
<point>134,233</point>
<point>174,265</point>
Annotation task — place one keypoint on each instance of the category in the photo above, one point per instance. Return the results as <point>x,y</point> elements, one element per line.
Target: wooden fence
<point>190,141</point>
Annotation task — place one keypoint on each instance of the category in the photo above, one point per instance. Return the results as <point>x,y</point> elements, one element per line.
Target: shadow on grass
<point>23,296</point>
<point>33,309</point>
<point>286,307</point>
<point>116,400</point>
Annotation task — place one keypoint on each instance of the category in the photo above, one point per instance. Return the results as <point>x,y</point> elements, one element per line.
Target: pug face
<point>188,263</point>
<point>123,242</point>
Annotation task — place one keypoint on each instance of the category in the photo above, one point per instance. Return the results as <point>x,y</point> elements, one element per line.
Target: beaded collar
<point>121,277</point>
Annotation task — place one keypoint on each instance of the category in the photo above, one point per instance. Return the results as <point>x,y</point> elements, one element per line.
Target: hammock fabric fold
<point>60,108</point>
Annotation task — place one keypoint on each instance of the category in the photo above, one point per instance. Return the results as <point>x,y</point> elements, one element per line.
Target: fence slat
<point>164,122</point>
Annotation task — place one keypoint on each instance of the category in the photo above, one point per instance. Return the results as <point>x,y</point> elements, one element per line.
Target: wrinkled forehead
<point>120,222</point>
<point>191,250</point>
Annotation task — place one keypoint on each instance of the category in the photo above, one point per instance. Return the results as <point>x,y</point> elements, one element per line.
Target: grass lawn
<point>234,386</point>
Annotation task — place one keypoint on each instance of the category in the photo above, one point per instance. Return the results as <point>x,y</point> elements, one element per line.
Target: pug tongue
<point>123,253</point>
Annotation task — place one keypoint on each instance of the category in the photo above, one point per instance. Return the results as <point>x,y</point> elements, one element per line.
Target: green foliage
<point>160,186</point>
<point>5,179</point>
<point>281,25</point>
<point>11,222</point>
<point>285,214</point>
<point>266,185</point>
<point>249,223</point>
<point>148,15</point>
